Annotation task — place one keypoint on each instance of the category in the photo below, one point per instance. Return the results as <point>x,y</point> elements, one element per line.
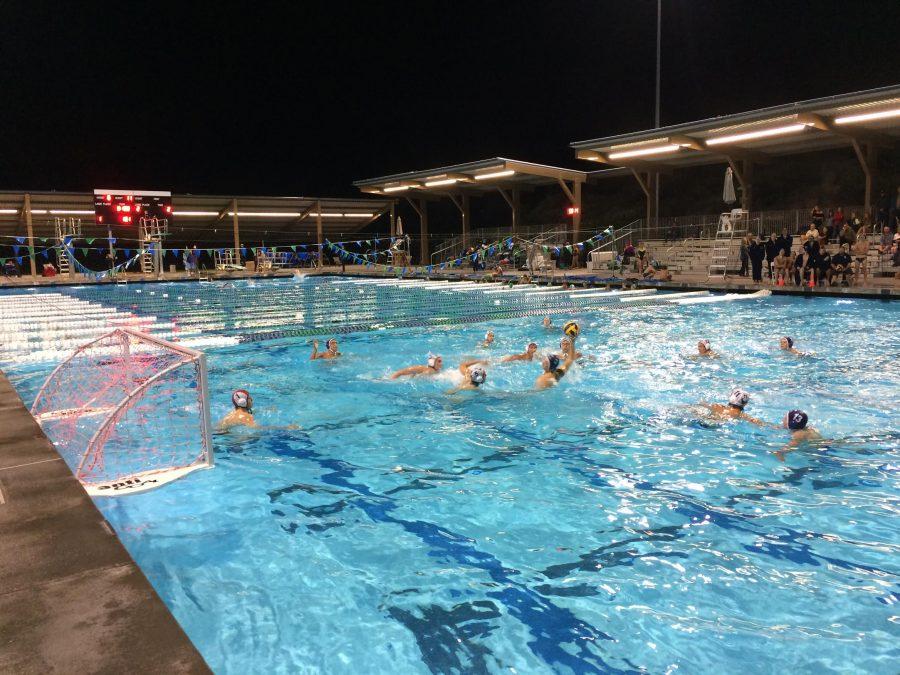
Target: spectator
<point>895,212</point>
<point>812,232</point>
<point>854,221</point>
<point>10,269</point>
<point>824,269</point>
<point>883,209</point>
<point>786,241</point>
<point>818,217</point>
<point>565,256</point>
<point>838,222</point>
<point>745,254</point>
<point>627,253</point>
<point>771,252</point>
<point>757,251</point>
<point>840,266</point>
<point>847,235</point>
<point>672,234</point>
<point>799,267</point>
<point>886,242</point>
<point>813,255</point>
<point>48,270</point>
<point>782,266</point>
<point>828,229</point>
<point>642,257</point>
<point>860,252</point>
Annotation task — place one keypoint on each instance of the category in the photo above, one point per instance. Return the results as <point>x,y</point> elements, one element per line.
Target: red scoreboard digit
<point>126,207</point>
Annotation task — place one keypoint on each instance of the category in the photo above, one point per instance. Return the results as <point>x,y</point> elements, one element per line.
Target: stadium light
<point>192,214</point>
<point>70,212</point>
<point>9,212</point>
<point>752,135</point>
<point>442,181</point>
<point>659,150</point>
<point>495,174</point>
<point>868,117</point>
<point>396,188</point>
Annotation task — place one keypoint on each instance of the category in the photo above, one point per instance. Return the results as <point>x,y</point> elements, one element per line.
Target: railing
<point>676,228</point>
<point>453,247</point>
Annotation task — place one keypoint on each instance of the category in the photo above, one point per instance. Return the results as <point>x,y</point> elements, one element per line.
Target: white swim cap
<point>739,398</point>
<point>432,359</point>
<point>241,398</point>
<point>488,334</point>
<point>477,374</point>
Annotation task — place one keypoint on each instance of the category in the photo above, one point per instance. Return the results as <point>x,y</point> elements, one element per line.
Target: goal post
<point>129,412</point>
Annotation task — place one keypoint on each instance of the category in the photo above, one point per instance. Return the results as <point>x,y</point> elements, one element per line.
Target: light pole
<point>656,118</point>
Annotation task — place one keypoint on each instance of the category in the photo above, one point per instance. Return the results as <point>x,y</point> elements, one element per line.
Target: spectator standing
<point>772,249</point>
<point>824,270</point>
<point>838,222</point>
<point>799,267</point>
<point>860,256</point>
<point>745,255</point>
<point>786,241</point>
<point>757,251</point>
<point>883,209</point>
<point>818,217</point>
<point>813,254</point>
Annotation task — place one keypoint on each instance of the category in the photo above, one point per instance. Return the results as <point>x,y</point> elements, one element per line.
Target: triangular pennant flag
<point>21,240</point>
<point>90,240</point>
<point>176,251</point>
<point>20,259</point>
<point>112,240</point>
<point>44,253</point>
<point>3,261</point>
<point>84,251</point>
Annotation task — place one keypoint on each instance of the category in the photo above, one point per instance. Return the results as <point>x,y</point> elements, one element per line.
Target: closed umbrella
<point>728,195</point>
<point>400,222</point>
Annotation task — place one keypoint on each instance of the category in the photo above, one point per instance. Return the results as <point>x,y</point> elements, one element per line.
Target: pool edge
<point>73,599</point>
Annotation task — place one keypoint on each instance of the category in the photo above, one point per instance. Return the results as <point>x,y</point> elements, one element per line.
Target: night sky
<point>305,97</point>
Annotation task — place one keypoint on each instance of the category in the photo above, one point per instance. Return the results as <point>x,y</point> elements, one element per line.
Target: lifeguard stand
<point>153,232</point>
<point>731,223</point>
<point>67,229</point>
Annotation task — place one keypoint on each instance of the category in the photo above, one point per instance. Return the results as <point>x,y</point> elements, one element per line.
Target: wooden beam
<point>867,164</point>
<point>576,219</point>
<point>423,233</point>
<point>641,182</point>
<point>853,133</point>
<point>505,196</point>
<point>456,202</point>
<point>546,171</point>
<point>466,217</point>
<point>319,235</point>
<point>413,205</point>
<point>567,191</point>
<point>237,231</point>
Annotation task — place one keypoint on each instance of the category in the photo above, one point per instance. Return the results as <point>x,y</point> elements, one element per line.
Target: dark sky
<point>304,97</point>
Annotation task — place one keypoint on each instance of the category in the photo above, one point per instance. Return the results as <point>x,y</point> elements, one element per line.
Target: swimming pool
<point>602,526</point>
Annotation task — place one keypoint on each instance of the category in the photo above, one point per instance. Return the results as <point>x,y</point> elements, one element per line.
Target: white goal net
<point>129,412</point>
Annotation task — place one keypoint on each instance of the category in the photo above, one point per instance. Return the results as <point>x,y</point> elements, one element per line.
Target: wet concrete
<point>71,598</point>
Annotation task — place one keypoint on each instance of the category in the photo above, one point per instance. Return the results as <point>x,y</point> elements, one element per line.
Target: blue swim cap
<point>796,420</point>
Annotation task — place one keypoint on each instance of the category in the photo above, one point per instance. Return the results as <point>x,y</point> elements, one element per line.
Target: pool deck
<point>71,599</point>
<point>884,288</point>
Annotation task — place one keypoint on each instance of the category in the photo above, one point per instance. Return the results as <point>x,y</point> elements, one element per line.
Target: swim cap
<point>796,419</point>
<point>790,341</point>
<point>530,345</point>
<point>571,329</point>
<point>488,334</point>
<point>552,362</point>
<point>477,375</point>
<point>705,343</point>
<point>328,343</point>
<point>242,399</point>
<point>739,398</point>
<point>432,359</point>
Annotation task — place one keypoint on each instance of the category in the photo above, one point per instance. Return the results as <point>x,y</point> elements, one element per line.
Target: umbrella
<point>728,195</point>
<point>399,226</point>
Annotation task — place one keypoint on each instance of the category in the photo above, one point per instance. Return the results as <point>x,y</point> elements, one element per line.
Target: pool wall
<point>71,599</point>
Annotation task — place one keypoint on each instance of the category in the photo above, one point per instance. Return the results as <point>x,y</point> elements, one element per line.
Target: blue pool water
<point>602,526</point>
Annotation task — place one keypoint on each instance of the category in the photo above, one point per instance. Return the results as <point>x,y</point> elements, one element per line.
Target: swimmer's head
<point>565,344</point>
<point>787,342</point>
<point>547,322</point>
<point>435,361</point>
<point>703,346</point>
<point>550,362</point>
<point>739,398</point>
<point>331,345</point>
<point>531,348</point>
<point>796,420</point>
<point>241,399</point>
<point>489,336</point>
<point>477,375</point>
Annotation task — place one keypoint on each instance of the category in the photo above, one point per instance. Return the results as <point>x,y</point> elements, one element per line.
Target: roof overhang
<point>279,214</point>
<point>870,116</point>
<point>482,176</point>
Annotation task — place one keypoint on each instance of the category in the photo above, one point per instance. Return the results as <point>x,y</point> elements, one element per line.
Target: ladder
<point>153,230</point>
<point>724,241</point>
<point>66,228</point>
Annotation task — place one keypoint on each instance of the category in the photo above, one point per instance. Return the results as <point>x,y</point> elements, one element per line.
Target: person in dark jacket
<point>785,241</point>
<point>745,257</point>
<point>757,251</point>
<point>772,249</point>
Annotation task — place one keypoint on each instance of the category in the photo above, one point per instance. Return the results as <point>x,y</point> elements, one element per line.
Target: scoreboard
<point>126,207</point>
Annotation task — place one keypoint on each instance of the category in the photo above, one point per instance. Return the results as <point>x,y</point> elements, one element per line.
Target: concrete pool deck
<point>71,599</point>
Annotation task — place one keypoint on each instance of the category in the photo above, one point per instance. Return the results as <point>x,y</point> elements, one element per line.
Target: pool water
<point>606,525</point>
